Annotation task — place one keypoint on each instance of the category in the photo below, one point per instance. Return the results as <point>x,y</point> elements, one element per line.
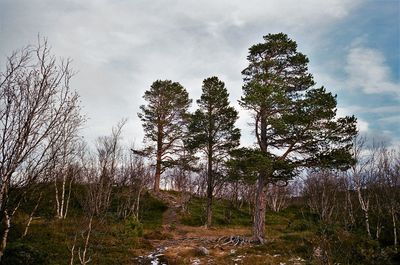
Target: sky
<point>120,47</point>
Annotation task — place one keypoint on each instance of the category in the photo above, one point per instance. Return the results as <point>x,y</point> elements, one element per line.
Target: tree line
<point>294,124</point>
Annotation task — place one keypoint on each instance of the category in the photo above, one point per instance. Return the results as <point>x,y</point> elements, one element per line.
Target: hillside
<point>169,234</point>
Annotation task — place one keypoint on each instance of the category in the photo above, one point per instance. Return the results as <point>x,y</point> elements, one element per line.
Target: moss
<point>224,214</point>
<point>151,211</point>
<point>23,253</point>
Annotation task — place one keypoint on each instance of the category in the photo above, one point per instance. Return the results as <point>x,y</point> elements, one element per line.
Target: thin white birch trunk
<point>365,208</point>
<point>57,199</point>
<point>82,258</point>
<point>28,224</point>
<point>71,262</point>
<point>395,241</point>
<point>63,196</point>
<point>68,198</point>
<point>7,229</point>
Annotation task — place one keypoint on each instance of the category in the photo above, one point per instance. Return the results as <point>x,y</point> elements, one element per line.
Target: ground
<point>183,244</point>
<point>171,231</point>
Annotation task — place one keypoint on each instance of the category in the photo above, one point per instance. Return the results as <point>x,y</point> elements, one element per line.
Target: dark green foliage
<point>165,113</point>
<point>212,131</point>
<point>246,163</point>
<point>167,103</point>
<point>212,127</point>
<point>24,254</point>
<point>46,208</point>
<point>290,114</point>
<point>341,246</point>
<point>299,232</point>
<point>295,124</point>
<point>133,227</point>
<point>151,210</point>
<point>164,121</point>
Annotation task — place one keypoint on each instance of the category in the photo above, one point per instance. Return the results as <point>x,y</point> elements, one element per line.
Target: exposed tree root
<point>232,241</point>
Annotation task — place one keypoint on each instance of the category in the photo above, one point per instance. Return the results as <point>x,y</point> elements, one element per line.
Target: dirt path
<point>181,244</point>
<point>170,216</point>
<point>187,244</point>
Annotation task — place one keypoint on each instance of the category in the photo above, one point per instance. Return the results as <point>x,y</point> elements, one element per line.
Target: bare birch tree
<point>322,193</point>
<point>65,174</point>
<point>388,175</point>
<point>36,103</point>
<point>277,196</point>
<point>98,175</point>
<point>104,170</point>
<point>134,176</point>
<point>358,175</point>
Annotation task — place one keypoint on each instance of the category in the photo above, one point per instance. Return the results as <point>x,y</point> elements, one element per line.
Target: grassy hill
<point>294,236</point>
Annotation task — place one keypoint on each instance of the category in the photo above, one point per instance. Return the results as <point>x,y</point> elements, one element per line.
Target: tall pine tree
<point>295,124</point>
<point>212,130</point>
<point>164,121</point>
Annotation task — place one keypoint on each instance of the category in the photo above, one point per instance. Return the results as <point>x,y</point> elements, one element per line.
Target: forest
<point>311,190</point>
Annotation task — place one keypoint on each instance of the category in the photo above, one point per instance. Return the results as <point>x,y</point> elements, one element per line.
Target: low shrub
<point>24,254</point>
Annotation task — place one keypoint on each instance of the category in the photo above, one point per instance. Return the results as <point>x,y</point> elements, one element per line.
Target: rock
<point>196,262</point>
<point>203,251</point>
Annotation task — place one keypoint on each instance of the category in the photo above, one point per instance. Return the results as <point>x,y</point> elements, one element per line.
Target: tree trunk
<point>365,207</point>
<point>157,176</point>
<point>350,206</point>
<point>366,217</point>
<point>260,201</point>
<point>82,258</point>
<point>260,210</point>
<point>394,228</point>
<point>209,191</point>
<point>68,199</point>
<point>28,224</point>
<point>71,261</point>
<point>3,192</point>
<point>7,225</point>
<point>63,196</point>
<point>6,230</point>
<point>137,204</point>
<point>57,199</point>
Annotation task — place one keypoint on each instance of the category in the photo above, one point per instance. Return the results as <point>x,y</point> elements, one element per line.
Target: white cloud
<point>367,70</point>
<point>121,47</point>
<point>362,125</point>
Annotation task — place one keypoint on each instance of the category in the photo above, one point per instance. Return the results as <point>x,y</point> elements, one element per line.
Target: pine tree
<point>212,130</point>
<point>295,123</point>
<point>164,121</point>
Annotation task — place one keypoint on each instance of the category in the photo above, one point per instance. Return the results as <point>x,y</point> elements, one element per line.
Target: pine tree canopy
<point>295,123</point>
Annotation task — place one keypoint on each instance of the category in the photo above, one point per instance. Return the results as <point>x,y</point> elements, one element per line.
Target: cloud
<point>395,119</point>
<point>362,125</point>
<point>367,70</point>
<point>121,47</point>
<point>391,109</point>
